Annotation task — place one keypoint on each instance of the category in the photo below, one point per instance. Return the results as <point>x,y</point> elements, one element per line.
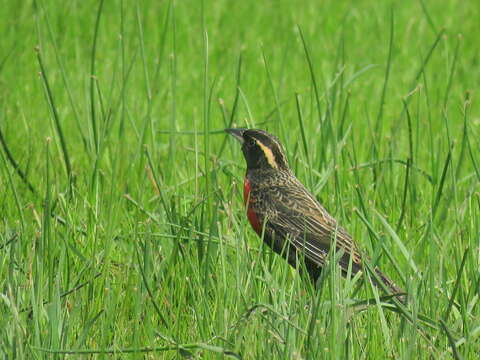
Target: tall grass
<point>123,232</point>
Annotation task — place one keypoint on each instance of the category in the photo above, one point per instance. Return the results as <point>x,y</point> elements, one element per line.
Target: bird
<point>289,218</point>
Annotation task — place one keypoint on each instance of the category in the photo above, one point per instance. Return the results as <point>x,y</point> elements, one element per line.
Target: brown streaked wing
<point>294,214</point>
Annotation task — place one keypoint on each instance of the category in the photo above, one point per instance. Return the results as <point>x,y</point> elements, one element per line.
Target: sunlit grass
<point>122,224</point>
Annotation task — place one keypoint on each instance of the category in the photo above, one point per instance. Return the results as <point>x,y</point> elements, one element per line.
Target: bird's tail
<point>380,279</point>
<point>395,290</point>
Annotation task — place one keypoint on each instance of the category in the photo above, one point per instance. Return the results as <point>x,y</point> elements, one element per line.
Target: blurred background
<point>122,223</point>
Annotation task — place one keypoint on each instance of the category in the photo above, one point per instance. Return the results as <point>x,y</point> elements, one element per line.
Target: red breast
<point>252,216</point>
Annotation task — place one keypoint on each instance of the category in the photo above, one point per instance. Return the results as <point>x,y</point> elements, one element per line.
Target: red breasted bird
<point>294,224</point>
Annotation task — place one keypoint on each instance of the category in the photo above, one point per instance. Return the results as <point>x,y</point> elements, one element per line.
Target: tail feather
<point>391,285</point>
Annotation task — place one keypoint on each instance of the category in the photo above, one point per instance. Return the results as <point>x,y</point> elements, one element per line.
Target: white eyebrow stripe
<point>268,154</point>
<point>281,151</point>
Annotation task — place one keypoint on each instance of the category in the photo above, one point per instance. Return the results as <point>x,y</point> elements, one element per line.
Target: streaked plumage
<point>294,223</point>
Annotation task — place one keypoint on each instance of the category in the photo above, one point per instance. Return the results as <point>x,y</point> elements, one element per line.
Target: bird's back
<point>296,223</point>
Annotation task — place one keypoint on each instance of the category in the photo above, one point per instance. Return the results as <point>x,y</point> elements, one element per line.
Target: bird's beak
<point>237,134</point>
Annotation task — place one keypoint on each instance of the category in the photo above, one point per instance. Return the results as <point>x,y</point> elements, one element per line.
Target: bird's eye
<point>251,142</point>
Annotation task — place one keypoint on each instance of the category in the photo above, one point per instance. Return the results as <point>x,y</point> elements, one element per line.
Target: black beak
<point>237,134</point>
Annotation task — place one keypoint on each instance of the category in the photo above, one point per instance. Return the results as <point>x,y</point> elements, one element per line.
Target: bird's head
<point>260,149</point>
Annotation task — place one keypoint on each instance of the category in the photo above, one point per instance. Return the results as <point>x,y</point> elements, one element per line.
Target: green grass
<point>122,224</point>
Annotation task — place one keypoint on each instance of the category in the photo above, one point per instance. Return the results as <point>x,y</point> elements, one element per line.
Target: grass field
<point>123,232</point>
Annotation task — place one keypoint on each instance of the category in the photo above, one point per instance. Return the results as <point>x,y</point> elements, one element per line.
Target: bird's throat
<point>251,214</point>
